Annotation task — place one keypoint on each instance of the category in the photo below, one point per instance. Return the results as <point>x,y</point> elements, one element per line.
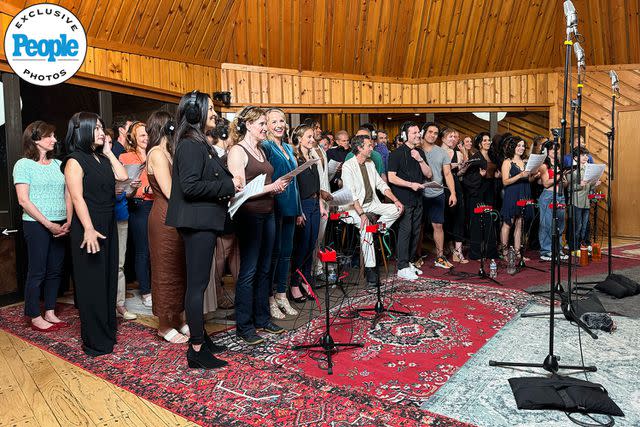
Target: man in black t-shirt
<point>408,170</point>
<point>339,154</point>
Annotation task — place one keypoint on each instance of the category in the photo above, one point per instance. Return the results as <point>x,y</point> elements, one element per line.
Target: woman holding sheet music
<point>201,188</point>
<point>287,208</point>
<point>312,211</point>
<point>255,223</point>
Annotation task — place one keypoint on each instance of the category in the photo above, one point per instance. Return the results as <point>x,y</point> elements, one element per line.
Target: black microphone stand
<point>327,345</point>
<point>379,309</point>
<point>522,265</point>
<point>482,273</point>
<point>550,363</point>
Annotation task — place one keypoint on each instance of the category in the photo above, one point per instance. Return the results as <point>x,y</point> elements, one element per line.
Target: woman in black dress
<point>90,172</point>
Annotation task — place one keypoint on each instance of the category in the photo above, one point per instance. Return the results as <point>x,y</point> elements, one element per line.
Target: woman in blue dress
<point>516,181</point>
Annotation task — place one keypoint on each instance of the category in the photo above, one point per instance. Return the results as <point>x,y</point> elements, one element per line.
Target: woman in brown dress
<point>165,245</point>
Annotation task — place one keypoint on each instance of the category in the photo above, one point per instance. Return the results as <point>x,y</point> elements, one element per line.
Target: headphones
<point>222,129</point>
<point>372,130</point>
<point>424,128</point>
<point>241,125</point>
<point>404,128</point>
<point>35,137</point>
<point>191,111</point>
<point>294,136</point>
<point>169,128</point>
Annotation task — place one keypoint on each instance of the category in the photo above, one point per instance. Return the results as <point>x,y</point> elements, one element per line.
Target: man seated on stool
<point>359,175</point>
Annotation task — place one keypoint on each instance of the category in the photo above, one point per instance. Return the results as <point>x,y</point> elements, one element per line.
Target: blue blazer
<point>287,202</point>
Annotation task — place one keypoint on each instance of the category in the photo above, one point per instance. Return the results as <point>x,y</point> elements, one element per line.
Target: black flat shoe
<point>213,347</point>
<point>299,300</point>
<point>271,328</point>
<point>203,359</point>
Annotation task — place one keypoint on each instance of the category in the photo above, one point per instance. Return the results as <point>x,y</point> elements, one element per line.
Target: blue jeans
<point>256,235</point>
<point>581,218</point>
<point>138,219</point>
<point>306,241</point>
<point>283,246</point>
<point>546,217</point>
<point>46,258</point>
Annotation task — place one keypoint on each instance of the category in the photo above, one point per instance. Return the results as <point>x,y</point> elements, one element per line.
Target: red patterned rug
<point>405,359</point>
<point>252,391</point>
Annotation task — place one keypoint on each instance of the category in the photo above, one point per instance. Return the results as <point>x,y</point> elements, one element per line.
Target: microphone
<point>615,84</point>
<point>572,18</point>
<point>579,51</point>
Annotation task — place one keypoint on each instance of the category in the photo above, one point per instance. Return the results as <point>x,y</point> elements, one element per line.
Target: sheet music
<point>534,162</point>
<point>341,197</point>
<point>332,168</point>
<point>301,168</point>
<point>254,187</point>
<point>593,172</point>
<point>133,171</point>
<point>432,184</point>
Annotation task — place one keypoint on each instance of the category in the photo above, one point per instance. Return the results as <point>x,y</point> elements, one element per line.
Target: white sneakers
<point>415,269</point>
<point>407,273</point>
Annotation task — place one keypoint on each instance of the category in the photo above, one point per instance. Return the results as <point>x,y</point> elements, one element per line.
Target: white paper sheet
<point>302,167</point>
<point>332,168</point>
<point>133,171</point>
<point>341,197</point>
<point>254,187</point>
<point>593,172</point>
<point>534,162</point>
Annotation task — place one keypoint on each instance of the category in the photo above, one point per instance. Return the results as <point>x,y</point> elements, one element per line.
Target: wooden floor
<point>38,389</point>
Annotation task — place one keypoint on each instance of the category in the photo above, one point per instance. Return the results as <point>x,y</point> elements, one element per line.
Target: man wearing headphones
<point>408,169</point>
<point>365,129</point>
<point>434,201</point>
<point>359,175</point>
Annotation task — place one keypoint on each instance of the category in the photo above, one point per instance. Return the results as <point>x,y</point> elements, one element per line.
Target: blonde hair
<point>270,135</point>
<point>238,128</point>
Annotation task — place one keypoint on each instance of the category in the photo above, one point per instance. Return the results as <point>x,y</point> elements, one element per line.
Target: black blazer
<point>201,188</point>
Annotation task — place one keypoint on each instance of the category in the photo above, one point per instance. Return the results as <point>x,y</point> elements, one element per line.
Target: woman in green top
<point>47,215</point>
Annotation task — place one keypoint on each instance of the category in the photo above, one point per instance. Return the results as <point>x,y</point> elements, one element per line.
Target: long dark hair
<point>80,133</point>
<point>510,144</point>
<point>33,133</point>
<point>186,129</point>
<point>158,127</point>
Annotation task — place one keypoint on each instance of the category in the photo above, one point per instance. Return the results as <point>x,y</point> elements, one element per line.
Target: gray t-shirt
<point>436,158</point>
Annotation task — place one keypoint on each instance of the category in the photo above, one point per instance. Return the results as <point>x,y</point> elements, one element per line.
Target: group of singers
<point>168,184</point>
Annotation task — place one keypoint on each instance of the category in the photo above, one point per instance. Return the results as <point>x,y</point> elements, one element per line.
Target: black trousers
<point>199,247</point>
<point>409,233</point>
<point>96,283</point>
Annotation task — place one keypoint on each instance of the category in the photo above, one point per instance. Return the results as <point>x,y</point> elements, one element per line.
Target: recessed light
<point>416,114</point>
<point>389,118</point>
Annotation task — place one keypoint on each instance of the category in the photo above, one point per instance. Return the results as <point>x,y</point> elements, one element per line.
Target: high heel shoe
<point>458,257</point>
<point>283,304</point>
<point>213,347</point>
<point>52,328</point>
<point>274,309</point>
<point>299,300</point>
<point>203,359</point>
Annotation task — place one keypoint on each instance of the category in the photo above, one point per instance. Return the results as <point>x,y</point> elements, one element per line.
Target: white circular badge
<point>45,44</point>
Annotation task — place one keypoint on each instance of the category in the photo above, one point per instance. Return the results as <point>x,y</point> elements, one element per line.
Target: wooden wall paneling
<point>239,45</point>
<point>242,85</point>
<point>451,97</point>
<point>461,91</point>
<point>521,56</point>
<point>134,68</point>
<point>217,34</point>
<point>505,89</point>
<point>397,49</point>
<point>306,26</point>
<point>367,51</point>
<point>348,91</point>
<point>423,93</point>
<point>318,90</point>
<point>378,93</point>
<point>297,90</point>
<point>264,87</point>
<point>488,91</point>
<point>463,27</point>
<point>357,92</point>
<point>98,21</point>
<point>319,30</point>
<point>478,91</point>
<point>255,88</point>
<point>306,90</point>
<point>287,86</point>
<point>433,91</point>
<point>415,35</point>
<point>338,36</point>
<point>442,97</point>
<point>367,92</point>
<point>326,91</point>
<point>157,22</point>
<point>472,33</point>
<point>532,90</point>
<point>396,93</point>
<point>514,88</point>
<point>89,61</point>
<point>406,94</point>
<point>274,30</point>
<point>430,38</point>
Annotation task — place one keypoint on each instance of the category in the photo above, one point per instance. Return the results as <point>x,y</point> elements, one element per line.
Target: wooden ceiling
<point>393,38</point>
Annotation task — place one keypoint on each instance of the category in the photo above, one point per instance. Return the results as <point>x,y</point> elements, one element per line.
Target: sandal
<point>458,257</point>
<point>184,330</point>
<point>174,337</point>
